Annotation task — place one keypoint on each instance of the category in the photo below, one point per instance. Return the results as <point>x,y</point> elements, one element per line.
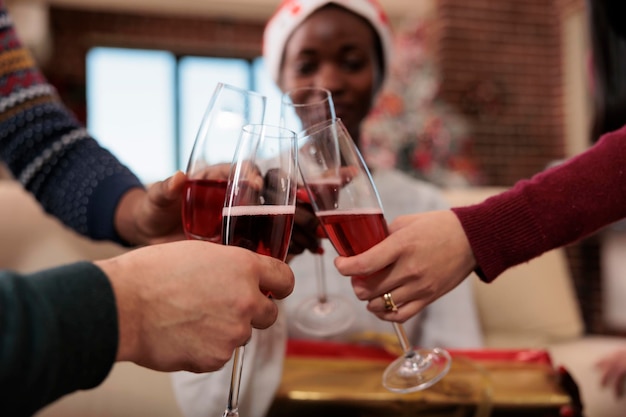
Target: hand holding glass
<point>323,314</point>
<point>259,208</point>
<point>229,109</point>
<point>355,223</point>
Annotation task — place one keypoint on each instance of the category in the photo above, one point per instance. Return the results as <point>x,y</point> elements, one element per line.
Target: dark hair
<point>608,39</point>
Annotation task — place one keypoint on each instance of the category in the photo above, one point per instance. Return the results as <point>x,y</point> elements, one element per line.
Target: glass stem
<point>232,409</point>
<point>320,275</point>
<point>404,340</point>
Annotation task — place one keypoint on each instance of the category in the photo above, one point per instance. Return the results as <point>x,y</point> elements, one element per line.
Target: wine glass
<point>322,314</point>
<point>355,224</point>
<point>259,209</point>
<point>229,109</point>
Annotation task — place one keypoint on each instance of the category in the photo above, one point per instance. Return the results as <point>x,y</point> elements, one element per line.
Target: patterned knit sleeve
<point>48,150</point>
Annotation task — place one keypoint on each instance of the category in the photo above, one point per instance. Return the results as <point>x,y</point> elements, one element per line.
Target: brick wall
<point>501,66</point>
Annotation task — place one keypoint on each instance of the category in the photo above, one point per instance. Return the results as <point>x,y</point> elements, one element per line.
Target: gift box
<point>343,379</point>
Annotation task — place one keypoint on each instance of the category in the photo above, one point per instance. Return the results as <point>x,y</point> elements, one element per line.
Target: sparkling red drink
<point>325,193</point>
<point>262,229</point>
<point>203,202</point>
<point>354,231</point>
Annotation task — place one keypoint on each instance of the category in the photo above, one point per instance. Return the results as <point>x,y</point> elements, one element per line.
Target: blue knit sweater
<point>48,150</point>
<point>58,328</point>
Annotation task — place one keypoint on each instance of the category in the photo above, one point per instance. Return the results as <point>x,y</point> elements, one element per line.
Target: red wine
<point>203,201</point>
<point>261,229</point>
<point>325,193</point>
<point>354,231</point>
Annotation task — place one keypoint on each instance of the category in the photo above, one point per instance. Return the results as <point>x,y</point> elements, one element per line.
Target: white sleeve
<point>202,395</point>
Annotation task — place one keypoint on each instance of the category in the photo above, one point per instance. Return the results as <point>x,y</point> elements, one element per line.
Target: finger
<point>399,223</point>
<point>294,247</point>
<point>252,174</point>
<point>163,193</point>
<point>374,259</point>
<point>405,301</point>
<point>378,304</point>
<point>307,221</point>
<point>267,314</point>
<point>276,277</point>
<point>607,377</point>
<point>304,235</point>
<point>347,173</point>
<point>215,172</point>
<point>302,240</point>
<point>371,286</point>
<point>275,179</point>
<point>600,364</point>
<point>405,312</point>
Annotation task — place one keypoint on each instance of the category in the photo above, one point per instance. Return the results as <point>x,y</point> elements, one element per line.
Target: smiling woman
<point>342,46</point>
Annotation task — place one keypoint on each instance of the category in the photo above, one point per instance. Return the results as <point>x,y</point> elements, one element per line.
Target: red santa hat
<point>291,13</point>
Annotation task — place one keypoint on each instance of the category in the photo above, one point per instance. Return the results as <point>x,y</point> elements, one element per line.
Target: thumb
<point>372,260</point>
<point>399,223</point>
<point>164,192</point>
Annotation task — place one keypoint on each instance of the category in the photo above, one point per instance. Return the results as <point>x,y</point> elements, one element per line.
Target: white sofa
<point>532,305</point>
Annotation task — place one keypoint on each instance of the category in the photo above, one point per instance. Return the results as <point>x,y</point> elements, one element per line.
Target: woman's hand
<point>425,256</point>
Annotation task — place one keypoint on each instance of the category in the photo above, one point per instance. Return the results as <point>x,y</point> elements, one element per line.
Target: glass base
<point>417,370</point>
<point>327,318</point>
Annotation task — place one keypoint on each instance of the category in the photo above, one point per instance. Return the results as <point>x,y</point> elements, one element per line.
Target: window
<point>146,106</point>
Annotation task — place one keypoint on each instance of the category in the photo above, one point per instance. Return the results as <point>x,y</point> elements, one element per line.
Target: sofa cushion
<point>530,305</point>
<point>32,240</point>
<point>129,390</point>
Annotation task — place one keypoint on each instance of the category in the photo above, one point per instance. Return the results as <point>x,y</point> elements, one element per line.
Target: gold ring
<point>389,304</point>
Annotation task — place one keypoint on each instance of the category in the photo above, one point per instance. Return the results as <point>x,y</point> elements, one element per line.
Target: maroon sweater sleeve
<point>553,208</point>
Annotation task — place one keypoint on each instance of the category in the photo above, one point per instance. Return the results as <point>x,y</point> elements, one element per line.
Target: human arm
<point>553,208</point>
<point>59,334</point>
<point>74,179</point>
<point>194,297</point>
<point>613,371</point>
<point>159,308</point>
<point>206,394</point>
<point>153,215</point>
<point>427,245</point>
<point>429,254</point>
